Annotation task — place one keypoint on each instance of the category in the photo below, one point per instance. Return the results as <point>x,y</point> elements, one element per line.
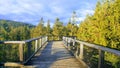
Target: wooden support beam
<point>12,64</point>
<point>39,42</point>
<point>81,51</point>
<point>21,52</point>
<point>36,43</point>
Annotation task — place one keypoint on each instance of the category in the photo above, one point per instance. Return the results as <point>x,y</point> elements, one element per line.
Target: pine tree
<point>57,29</point>
<point>48,29</point>
<point>38,30</point>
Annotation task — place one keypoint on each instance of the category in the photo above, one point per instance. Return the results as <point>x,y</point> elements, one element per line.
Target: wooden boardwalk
<point>54,55</point>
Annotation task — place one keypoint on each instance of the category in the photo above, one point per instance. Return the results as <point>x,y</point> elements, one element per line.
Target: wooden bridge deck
<point>54,55</point>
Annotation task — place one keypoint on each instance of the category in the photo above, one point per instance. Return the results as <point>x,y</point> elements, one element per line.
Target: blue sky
<point>31,11</point>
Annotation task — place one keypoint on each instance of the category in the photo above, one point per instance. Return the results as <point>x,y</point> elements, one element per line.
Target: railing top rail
<point>100,47</point>
<point>12,42</point>
<point>19,42</point>
<point>117,52</point>
<point>32,39</point>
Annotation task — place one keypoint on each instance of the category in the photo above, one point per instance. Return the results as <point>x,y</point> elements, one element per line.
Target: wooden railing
<point>26,49</point>
<point>100,52</point>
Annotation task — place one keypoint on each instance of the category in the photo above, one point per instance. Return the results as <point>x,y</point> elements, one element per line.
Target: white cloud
<point>57,10</point>
<point>32,10</point>
<point>19,6</point>
<point>87,11</point>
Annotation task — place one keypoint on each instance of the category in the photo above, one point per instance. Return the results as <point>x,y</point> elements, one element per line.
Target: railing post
<point>68,44</point>
<point>36,43</point>
<point>46,39</point>
<point>101,59</point>
<point>81,51</point>
<point>39,42</point>
<point>21,53</point>
<point>74,43</point>
<point>76,53</point>
<point>66,41</point>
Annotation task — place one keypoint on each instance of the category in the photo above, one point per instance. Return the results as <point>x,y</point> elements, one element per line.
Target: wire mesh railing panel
<point>91,56</point>
<point>9,52</point>
<point>29,49</point>
<point>20,51</point>
<point>111,60</point>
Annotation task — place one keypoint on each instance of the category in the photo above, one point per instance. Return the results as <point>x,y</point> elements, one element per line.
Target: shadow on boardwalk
<point>54,55</point>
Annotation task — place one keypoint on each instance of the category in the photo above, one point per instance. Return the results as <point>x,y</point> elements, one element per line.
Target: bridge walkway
<point>54,55</point>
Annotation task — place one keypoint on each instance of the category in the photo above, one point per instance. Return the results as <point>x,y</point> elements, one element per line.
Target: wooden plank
<point>12,64</point>
<point>55,56</point>
<point>32,39</point>
<point>13,42</point>
<point>39,42</point>
<point>47,38</point>
<point>81,51</point>
<point>36,43</point>
<point>21,53</point>
<point>18,42</point>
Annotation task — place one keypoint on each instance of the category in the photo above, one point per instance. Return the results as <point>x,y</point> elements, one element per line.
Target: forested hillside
<point>11,30</point>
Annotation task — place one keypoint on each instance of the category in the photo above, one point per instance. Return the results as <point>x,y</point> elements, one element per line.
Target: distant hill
<point>5,23</point>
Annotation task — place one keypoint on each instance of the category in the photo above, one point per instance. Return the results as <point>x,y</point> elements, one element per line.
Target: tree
<point>72,29</point>
<point>103,28</point>
<point>57,29</point>
<point>38,30</point>
<point>3,33</point>
<point>48,29</point>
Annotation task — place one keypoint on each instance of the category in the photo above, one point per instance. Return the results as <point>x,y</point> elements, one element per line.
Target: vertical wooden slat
<point>42,40</point>
<point>46,39</point>
<point>74,43</point>
<point>76,53</point>
<point>21,52</point>
<point>69,44</point>
<point>39,42</point>
<point>81,51</point>
<point>36,43</point>
<point>101,59</point>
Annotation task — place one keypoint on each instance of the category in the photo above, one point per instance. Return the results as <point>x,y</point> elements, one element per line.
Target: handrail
<point>12,42</point>
<point>100,49</point>
<point>17,42</point>
<point>39,42</point>
<point>31,39</point>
